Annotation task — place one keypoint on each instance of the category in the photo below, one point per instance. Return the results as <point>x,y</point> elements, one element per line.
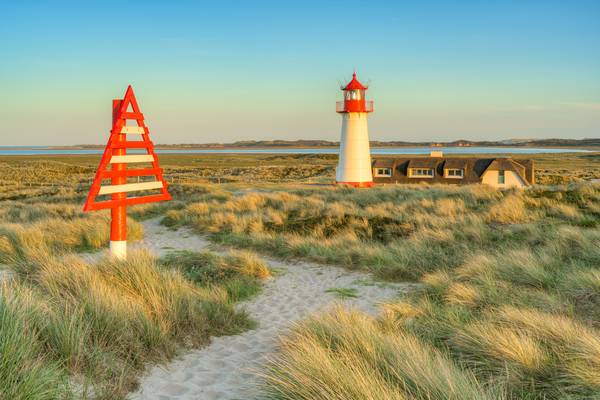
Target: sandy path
<point>225,370</point>
<point>160,240</point>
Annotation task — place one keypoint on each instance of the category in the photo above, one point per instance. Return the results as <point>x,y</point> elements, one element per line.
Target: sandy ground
<point>161,240</point>
<point>227,368</point>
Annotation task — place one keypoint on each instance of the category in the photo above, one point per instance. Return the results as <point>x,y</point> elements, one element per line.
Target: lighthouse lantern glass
<point>354,94</point>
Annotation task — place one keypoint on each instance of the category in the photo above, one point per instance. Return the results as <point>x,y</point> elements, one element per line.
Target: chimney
<point>436,153</point>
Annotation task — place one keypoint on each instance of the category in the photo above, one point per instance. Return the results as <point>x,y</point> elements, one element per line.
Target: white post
<point>118,249</point>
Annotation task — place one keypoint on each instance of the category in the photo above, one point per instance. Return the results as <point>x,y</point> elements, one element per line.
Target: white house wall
<point>511,179</point>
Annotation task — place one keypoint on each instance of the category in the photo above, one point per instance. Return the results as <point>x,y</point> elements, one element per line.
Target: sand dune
<point>228,367</point>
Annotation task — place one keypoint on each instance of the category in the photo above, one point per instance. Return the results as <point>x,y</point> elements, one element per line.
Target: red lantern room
<point>354,98</point>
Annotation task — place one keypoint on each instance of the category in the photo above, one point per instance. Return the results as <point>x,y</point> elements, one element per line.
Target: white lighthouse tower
<point>354,165</point>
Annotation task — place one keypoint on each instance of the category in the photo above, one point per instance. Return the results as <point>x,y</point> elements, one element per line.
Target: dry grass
<point>31,227</point>
<point>511,210</point>
<point>478,253</point>
<point>71,328</point>
<point>102,323</point>
<point>509,305</point>
<point>348,355</point>
<point>399,232</point>
<point>240,272</point>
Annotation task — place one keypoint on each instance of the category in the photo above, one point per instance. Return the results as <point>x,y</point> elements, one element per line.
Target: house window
<point>383,172</point>
<point>454,173</point>
<point>422,172</point>
<point>501,177</point>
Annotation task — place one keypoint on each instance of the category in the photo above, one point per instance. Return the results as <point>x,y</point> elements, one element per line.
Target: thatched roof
<point>473,168</point>
<point>455,163</point>
<point>384,163</point>
<point>428,162</point>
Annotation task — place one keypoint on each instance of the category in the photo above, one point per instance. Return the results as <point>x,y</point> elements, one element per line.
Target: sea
<point>41,150</point>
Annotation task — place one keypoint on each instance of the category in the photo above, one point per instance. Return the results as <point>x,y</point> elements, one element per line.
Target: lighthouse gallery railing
<point>340,106</point>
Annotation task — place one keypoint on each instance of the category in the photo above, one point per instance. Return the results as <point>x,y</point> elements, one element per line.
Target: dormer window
<point>457,173</point>
<point>421,172</point>
<point>383,172</point>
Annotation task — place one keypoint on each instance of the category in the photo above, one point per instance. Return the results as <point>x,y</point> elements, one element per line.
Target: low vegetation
<point>397,232</point>
<point>507,305</point>
<point>509,298</point>
<point>343,293</point>
<point>349,355</point>
<point>96,326</point>
<point>23,177</point>
<point>513,324</point>
<point>239,272</point>
<point>85,327</point>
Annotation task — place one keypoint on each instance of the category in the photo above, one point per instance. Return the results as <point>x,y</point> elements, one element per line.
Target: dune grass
<point>508,323</point>
<point>348,355</point>
<point>343,293</point>
<point>397,232</point>
<point>508,305</point>
<point>25,373</point>
<point>238,272</point>
<point>489,261</point>
<point>77,329</point>
<point>53,228</point>
<point>96,326</point>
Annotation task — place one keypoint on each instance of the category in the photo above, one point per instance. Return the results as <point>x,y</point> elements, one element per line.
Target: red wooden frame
<point>118,145</point>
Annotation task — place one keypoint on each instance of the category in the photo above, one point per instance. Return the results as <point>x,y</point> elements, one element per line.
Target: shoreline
<point>92,149</point>
<point>279,148</point>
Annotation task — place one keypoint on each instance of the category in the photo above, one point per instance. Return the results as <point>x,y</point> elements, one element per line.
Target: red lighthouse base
<point>357,184</point>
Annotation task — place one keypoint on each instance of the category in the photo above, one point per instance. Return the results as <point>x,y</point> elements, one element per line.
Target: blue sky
<point>208,72</point>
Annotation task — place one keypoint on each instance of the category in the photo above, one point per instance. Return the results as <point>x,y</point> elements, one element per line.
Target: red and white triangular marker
<point>116,155</point>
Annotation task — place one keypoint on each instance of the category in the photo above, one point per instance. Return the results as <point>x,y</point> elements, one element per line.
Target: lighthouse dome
<point>354,84</point>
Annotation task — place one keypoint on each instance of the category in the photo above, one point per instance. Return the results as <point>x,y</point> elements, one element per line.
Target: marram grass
<point>509,298</point>
<point>508,307</point>
<point>346,355</point>
<point>91,328</point>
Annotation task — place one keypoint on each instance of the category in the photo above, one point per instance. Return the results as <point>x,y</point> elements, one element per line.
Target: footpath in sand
<point>226,369</point>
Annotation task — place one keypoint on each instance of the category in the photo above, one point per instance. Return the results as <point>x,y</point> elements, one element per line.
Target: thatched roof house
<point>497,172</point>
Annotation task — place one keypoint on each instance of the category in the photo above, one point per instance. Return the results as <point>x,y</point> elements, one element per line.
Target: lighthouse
<point>354,165</point>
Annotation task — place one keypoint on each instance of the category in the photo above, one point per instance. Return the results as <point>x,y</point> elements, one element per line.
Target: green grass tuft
<point>343,293</point>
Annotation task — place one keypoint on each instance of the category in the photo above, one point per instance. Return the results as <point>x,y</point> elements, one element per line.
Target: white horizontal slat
<point>130,187</point>
<point>133,129</point>
<point>131,158</point>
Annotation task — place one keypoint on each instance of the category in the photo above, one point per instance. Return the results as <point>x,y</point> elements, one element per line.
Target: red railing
<point>342,107</point>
